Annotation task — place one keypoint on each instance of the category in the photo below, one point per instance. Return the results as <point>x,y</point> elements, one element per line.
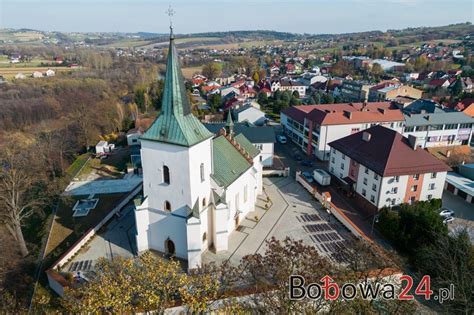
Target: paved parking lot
<point>293,213</point>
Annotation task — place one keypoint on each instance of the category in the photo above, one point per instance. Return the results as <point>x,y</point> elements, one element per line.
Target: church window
<point>204,237</point>
<point>203,202</point>
<point>166,174</point>
<point>167,205</point>
<point>202,172</point>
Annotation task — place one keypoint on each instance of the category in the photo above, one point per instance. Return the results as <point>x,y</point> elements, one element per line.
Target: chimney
<point>348,114</point>
<point>382,110</point>
<point>412,141</point>
<point>366,136</point>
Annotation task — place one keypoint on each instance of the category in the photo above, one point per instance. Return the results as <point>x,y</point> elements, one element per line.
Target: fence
<point>325,199</point>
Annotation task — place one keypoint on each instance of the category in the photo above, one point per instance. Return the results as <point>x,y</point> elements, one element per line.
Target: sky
<point>195,16</point>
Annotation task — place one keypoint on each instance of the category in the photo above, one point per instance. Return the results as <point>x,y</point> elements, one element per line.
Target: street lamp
<point>374,220</point>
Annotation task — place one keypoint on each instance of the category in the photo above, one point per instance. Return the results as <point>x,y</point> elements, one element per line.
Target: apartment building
<point>385,169</point>
<point>312,127</point>
<point>432,125</point>
<point>355,91</point>
<point>390,92</point>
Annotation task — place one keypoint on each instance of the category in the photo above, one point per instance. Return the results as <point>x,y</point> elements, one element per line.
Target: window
<point>167,205</point>
<point>245,193</point>
<point>342,166</point>
<point>397,178</point>
<point>451,126</point>
<point>372,198</point>
<point>429,197</point>
<point>409,129</point>
<point>166,174</point>
<point>343,157</point>
<point>203,202</point>
<point>366,170</point>
<point>340,175</point>
<point>261,158</point>
<point>431,186</point>
<point>394,190</point>
<point>463,126</point>
<point>433,175</point>
<point>365,181</point>
<point>364,192</point>
<point>393,201</point>
<point>412,200</point>
<point>436,127</point>
<point>374,187</point>
<point>414,188</point>
<point>332,169</point>
<point>376,176</point>
<point>333,160</point>
<point>416,176</point>
<point>204,237</point>
<point>202,172</point>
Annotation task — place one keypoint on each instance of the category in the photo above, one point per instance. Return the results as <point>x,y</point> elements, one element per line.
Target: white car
<point>282,139</point>
<point>448,219</point>
<point>446,213</point>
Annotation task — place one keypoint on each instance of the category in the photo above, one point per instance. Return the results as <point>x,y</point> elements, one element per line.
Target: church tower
<point>177,165</point>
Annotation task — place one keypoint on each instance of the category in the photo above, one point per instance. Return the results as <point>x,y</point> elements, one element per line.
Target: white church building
<point>197,186</point>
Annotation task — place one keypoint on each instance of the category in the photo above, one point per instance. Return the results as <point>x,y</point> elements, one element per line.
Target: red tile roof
<point>388,153</point>
<point>346,113</point>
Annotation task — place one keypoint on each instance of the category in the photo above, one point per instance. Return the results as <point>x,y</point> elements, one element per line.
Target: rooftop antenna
<point>170,12</point>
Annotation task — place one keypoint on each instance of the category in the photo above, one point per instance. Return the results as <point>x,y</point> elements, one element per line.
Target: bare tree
<point>17,199</point>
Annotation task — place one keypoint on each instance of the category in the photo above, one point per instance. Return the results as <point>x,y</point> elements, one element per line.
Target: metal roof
<point>247,145</point>
<point>437,119</point>
<point>229,164</point>
<point>176,124</point>
<point>265,134</point>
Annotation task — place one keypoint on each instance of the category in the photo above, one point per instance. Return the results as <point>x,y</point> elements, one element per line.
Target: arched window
<point>167,205</point>
<point>203,202</point>
<point>166,174</point>
<point>202,172</point>
<point>204,237</point>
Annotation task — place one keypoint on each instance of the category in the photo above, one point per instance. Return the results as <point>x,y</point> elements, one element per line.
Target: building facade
<point>313,127</point>
<point>384,169</point>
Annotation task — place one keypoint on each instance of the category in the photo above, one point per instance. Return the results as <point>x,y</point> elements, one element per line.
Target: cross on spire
<point>170,12</point>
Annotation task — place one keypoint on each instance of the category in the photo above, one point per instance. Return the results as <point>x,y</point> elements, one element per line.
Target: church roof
<point>247,145</point>
<point>176,124</point>
<point>229,163</point>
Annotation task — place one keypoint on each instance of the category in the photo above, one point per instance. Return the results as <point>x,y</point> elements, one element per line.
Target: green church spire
<point>176,124</point>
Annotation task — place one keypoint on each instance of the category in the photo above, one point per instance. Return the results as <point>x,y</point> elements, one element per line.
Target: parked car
<point>282,139</point>
<point>321,177</point>
<point>308,177</point>
<point>446,213</point>
<point>298,157</point>
<point>448,219</point>
<point>307,163</point>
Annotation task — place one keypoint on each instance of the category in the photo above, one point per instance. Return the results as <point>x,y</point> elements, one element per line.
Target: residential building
<point>263,138</point>
<point>432,125</point>
<point>355,91</point>
<point>312,127</point>
<point>462,183</point>
<point>197,186</point>
<point>289,85</point>
<point>392,92</point>
<point>385,169</point>
<point>251,114</point>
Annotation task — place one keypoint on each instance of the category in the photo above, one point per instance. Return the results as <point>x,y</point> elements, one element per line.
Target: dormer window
<point>166,175</point>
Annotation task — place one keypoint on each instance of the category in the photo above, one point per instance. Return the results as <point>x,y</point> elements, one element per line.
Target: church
<point>197,185</point>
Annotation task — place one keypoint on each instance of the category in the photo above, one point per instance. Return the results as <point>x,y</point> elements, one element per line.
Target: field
<point>17,36</point>
<point>9,73</point>
<point>188,72</point>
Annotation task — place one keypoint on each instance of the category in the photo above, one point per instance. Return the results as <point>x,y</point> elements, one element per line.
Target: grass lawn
<point>188,72</point>
<point>67,229</point>
<point>77,165</point>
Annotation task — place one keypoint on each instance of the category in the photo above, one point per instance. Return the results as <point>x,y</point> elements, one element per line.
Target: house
<point>289,85</point>
<point>392,91</point>
<point>385,169</point>
<point>462,183</point>
<point>198,79</point>
<point>247,91</point>
<point>466,105</point>
<point>50,73</point>
<point>20,76</point>
<point>197,186</point>
<point>15,58</point>
<point>434,126</point>
<point>313,127</point>
<point>263,138</point>
<point>387,65</point>
<point>37,74</point>
<point>438,83</point>
<point>133,136</point>
<point>251,114</point>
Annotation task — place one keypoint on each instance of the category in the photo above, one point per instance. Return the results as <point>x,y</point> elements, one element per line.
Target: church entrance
<point>169,246</point>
